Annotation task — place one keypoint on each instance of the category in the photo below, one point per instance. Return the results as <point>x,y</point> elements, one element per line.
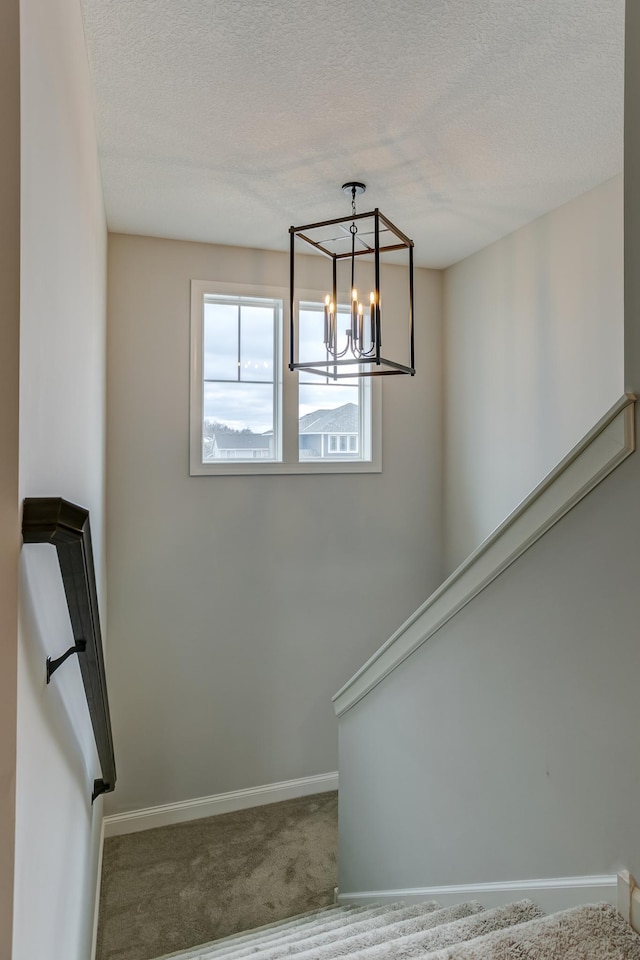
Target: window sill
<point>250,469</point>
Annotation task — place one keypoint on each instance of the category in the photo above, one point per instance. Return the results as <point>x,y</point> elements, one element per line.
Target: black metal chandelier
<point>352,339</point>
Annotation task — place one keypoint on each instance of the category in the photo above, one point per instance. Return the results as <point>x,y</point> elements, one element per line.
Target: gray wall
<point>506,747</point>
<point>533,339</point>
<point>9,401</point>
<point>62,443</point>
<point>632,199</point>
<point>238,604</point>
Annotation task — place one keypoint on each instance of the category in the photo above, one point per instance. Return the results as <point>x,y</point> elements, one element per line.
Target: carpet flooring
<point>169,888</point>
<point>515,931</point>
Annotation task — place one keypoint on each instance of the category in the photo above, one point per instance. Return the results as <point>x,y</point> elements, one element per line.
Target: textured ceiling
<point>230,120</point>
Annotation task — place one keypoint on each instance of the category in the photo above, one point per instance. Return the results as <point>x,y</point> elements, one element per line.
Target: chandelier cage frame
<point>362,355</point>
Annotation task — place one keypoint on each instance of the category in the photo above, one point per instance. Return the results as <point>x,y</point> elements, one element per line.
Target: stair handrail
<point>603,448</point>
<point>66,526</point>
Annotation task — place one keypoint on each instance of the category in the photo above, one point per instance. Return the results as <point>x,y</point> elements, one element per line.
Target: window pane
<point>256,343</point>
<point>311,340</point>
<point>220,341</point>
<point>238,413</point>
<point>238,421</point>
<point>311,344</point>
<point>328,414</point>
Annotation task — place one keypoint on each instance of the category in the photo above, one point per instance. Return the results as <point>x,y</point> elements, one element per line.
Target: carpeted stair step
<point>325,925</point>
<point>246,943</point>
<point>592,932</point>
<point>518,931</point>
<point>456,931</point>
<point>384,926</point>
<point>384,929</point>
<point>277,926</point>
<point>334,939</point>
<point>264,930</point>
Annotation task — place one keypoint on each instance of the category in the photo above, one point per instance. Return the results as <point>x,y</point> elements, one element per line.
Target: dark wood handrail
<point>66,526</point>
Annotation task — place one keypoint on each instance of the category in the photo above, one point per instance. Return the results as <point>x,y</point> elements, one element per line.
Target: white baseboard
<point>168,813</point>
<point>558,893</point>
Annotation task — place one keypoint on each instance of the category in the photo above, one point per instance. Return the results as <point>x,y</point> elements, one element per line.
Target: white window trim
<point>289,380</point>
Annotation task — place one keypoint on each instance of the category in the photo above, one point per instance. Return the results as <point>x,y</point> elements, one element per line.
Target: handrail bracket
<point>80,646</point>
<point>99,786</point>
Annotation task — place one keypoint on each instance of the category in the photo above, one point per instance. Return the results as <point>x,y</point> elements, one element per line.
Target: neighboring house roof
<point>342,419</point>
<point>225,440</point>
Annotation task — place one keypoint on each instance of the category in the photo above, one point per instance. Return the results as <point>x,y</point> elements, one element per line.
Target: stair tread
<point>326,925</point>
<point>333,942</point>
<point>384,936</point>
<point>413,913</point>
<point>591,932</point>
<point>280,925</point>
<point>462,932</point>
<point>235,944</point>
<point>456,931</point>
<point>266,928</point>
<point>348,945</point>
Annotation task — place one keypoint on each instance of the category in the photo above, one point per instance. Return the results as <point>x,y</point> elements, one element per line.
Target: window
<point>329,410</point>
<point>247,416</point>
<point>240,396</point>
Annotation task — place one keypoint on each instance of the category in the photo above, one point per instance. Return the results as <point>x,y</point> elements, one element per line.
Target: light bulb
<point>354,294</point>
<point>372,297</point>
<point>360,309</point>
<point>327,300</point>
